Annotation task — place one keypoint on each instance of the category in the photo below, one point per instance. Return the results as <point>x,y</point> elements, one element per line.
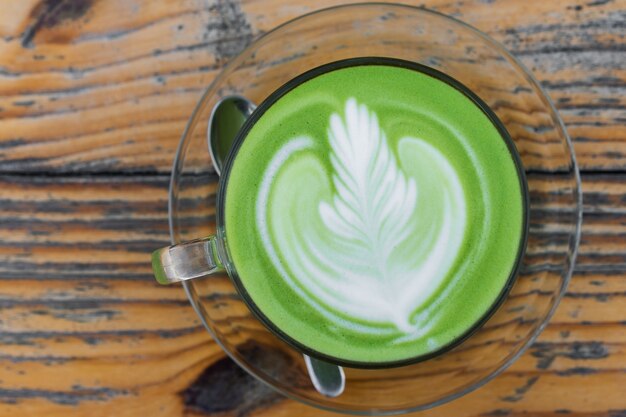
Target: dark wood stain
<point>546,353</point>
<point>15,396</point>
<point>500,412</point>
<point>233,30</point>
<point>520,391</point>
<point>25,103</point>
<point>31,338</point>
<point>579,371</point>
<point>225,387</point>
<point>49,13</point>
<point>599,3</point>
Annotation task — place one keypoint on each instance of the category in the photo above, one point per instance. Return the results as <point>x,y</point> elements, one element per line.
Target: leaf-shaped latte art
<point>374,242</point>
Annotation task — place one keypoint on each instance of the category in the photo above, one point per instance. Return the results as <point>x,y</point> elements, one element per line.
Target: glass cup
<point>478,62</point>
<point>206,256</point>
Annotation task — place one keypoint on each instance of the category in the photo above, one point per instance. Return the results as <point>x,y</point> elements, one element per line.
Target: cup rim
<point>294,83</point>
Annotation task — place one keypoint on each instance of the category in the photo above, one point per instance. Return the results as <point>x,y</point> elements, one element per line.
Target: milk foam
<point>363,269</point>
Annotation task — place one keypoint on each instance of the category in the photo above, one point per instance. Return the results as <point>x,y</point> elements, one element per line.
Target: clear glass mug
<point>483,66</point>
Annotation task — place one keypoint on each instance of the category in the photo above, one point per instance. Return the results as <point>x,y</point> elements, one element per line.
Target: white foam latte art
<point>369,244</point>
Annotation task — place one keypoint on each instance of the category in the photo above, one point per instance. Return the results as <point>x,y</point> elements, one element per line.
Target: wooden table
<point>93,97</point>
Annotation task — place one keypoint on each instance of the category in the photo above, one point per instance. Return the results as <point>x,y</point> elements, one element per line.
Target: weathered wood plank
<point>100,335</point>
<point>160,55</point>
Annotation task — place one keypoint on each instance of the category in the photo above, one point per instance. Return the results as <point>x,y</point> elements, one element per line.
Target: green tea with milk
<point>374,212</point>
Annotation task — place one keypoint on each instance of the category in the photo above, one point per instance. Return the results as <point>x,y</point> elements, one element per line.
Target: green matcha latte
<point>374,212</point>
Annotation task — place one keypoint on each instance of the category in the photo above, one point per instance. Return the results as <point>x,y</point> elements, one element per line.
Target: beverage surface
<point>373,213</point>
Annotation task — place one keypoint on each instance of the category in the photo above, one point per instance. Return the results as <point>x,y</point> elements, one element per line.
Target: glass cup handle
<point>188,260</point>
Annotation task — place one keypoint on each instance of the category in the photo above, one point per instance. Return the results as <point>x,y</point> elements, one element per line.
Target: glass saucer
<point>482,65</point>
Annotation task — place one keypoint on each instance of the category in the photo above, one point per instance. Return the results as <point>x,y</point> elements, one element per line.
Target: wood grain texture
<point>108,86</point>
<point>96,336</point>
<point>93,97</point>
